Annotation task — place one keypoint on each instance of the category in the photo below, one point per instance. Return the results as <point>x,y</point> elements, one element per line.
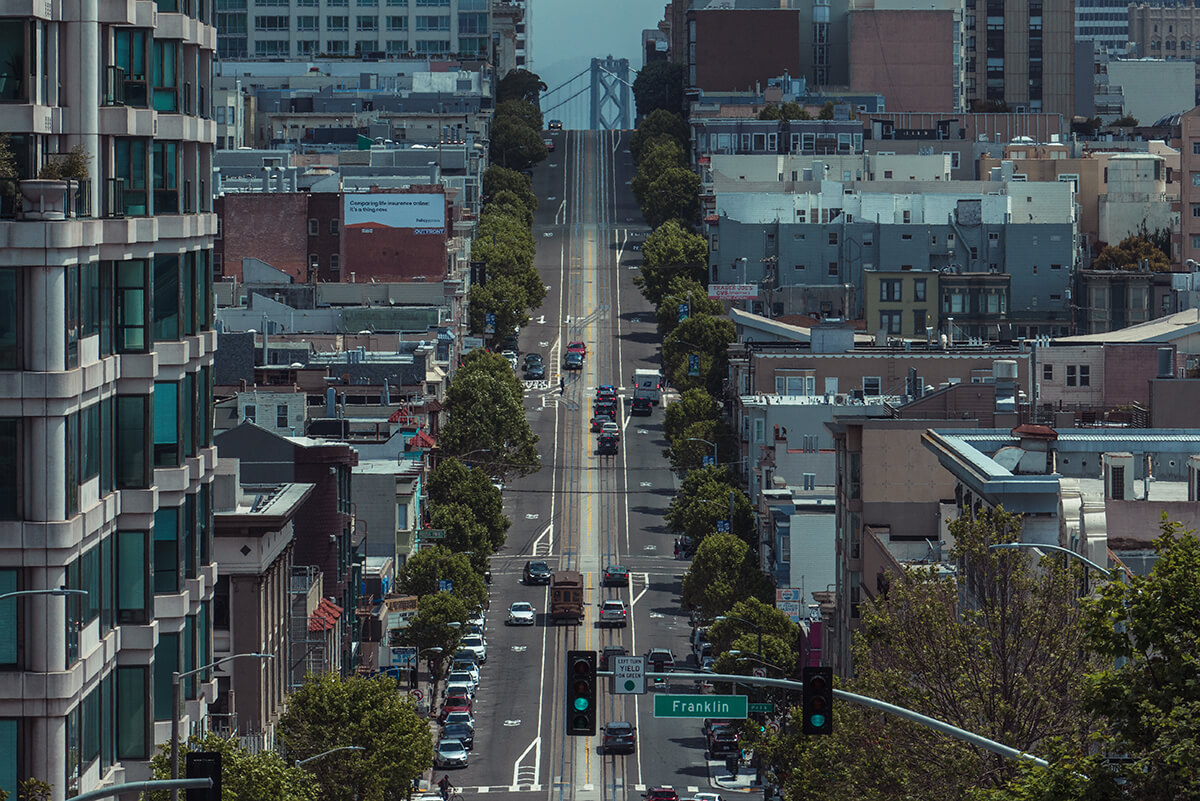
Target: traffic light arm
<point>862,700</point>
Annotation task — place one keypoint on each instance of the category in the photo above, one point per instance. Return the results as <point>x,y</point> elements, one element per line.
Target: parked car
<point>665,793</point>
<point>535,372</point>
<point>573,361</point>
<point>619,737</point>
<point>608,652</point>
<point>465,718</point>
<point>450,754</point>
<point>613,613</point>
<point>536,572</point>
<point>455,703</point>
<point>463,655</point>
<point>616,576</point>
<point>532,359</point>
<point>611,429</point>
<point>461,732</point>
<point>598,422</point>
<point>577,347</point>
<point>723,743</point>
<point>511,356</point>
<point>521,613</point>
<point>475,644</point>
<point>460,687</point>
<point>463,677</point>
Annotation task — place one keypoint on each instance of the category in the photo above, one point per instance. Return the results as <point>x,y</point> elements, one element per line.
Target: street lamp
<point>1008,546</point>
<point>757,628</point>
<point>63,591</point>
<point>756,658</point>
<point>300,762</point>
<point>712,445</point>
<point>178,677</point>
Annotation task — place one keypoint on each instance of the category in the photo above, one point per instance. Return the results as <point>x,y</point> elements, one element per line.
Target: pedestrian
<point>562,385</point>
<point>677,547</point>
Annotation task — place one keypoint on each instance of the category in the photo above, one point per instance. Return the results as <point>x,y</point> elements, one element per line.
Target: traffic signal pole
<point>863,700</point>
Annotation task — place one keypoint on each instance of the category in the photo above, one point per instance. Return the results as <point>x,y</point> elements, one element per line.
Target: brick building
<point>298,233</point>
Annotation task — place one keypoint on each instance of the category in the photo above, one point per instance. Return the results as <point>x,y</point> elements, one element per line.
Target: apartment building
<point>106,347</point>
<point>301,29</point>
<point>1104,23</point>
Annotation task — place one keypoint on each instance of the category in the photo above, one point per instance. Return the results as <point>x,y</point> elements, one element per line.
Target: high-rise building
<point>1020,55</point>
<point>1105,23</point>
<point>106,347</point>
<point>291,29</point>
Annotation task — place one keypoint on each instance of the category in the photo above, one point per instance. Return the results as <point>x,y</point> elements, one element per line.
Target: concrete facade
<point>1099,375</point>
<point>1168,31</point>
<point>926,78</point>
<point>1137,197</point>
<point>1189,190</point>
<point>1154,88</point>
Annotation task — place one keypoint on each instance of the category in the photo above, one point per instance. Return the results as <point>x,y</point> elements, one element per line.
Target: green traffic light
<point>817,720</point>
<point>581,704</point>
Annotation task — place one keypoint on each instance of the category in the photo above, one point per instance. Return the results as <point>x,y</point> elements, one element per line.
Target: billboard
<point>420,213</point>
<point>732,291</point>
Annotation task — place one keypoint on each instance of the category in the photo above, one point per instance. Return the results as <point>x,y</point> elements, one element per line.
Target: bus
<point>566,597</point>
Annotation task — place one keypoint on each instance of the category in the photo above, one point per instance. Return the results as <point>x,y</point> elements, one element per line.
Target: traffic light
<point>818,700</point>
<point>581,693</point>
<point>204,765</point>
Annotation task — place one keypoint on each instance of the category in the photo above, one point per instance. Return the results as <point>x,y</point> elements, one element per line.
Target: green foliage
<point>723,572</point>
<point>654,125</point>
<point>785,111</point>
<point>1126,121</point>
<point>707,336</point>
<point>673,194</point>
<point>422,571</point>
<point>497,179</point>
<point>779,637</point>
<point>454,482</point>
<point>438,623</point>
<point>502,297</point>
<point>515,144</point>
<point>509,204</point>
<point>659,85</point>
<point>703,499</point>
<point>487,424</point>
<point>61,166</point>
<point>329,711</point>
<point>523,111</point>
<point>245,776</point>
<point>8,164</point>
<point>32,789</point>
<point>684,289</point>
<point>1070,776</point>
<point>520,84</point>
<point>687,452</point>
<point>1152,700</point>
<point>464,533</point>
<point>826,111</point>
<point>671,251</point>
<point>693,406</point>
<point>661,154</point>
<point>1129,253</point>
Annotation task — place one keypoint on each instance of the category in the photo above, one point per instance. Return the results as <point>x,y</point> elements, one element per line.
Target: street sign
<point>773,725</point>
<point>701,706</point>
<point>789,608</point>
<point>431,533</point>
<point>760,672</point>
<point>708,461</point>
<point>766,707</point>
<point>629,675</point>
<point>787,593</point>
<point>417,695</point>
<point>732,291</point>
<point>489,323</point>
<point>404,657</point>
<point>445,585</point>
<point>722,526</point>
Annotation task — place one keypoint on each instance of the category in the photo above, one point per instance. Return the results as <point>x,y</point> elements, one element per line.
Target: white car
<point>450,754</point>
<point>468,667</point>
<point>475,644</point>
<point>613,613</point>
<point>461,687</point>
<point>478,619</point>
<point>464,676</point>
<point>511,356</point>
<point>460,717</point>
<point>610,429</point>
<point>521,613</point>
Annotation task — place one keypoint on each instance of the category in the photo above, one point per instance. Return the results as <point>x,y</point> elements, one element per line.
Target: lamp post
<point>300,762</point>
<point>1009,546</point>
<point>757,628</point>
<point>712,445</point>
<point>63,591</point>
<point>178,677</point>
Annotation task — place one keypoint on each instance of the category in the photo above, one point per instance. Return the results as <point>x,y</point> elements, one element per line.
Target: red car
<point>577,347</point>
<point>455,703</point>
<point>661,794</point>
<point>549,143</point>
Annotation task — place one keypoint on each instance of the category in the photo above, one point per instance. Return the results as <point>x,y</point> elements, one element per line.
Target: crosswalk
<point>530,788</point>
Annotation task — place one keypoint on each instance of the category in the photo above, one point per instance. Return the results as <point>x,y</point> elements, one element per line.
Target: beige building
<point>1189,191</point>
<point>1136,197</point>
<point>900,304</point>
<point>1164,31</point>
<point>1036,70</point>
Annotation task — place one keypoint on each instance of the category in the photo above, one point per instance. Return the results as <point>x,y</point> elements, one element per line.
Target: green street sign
<point>701,706</point>
<point>767,707</point>
<point>431,533</point>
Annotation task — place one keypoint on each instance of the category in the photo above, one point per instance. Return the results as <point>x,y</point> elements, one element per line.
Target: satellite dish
<point>297,366</point>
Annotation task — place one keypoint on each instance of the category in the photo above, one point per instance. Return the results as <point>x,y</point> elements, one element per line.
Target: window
<point>364,23</point>
<point>133,719</point>
<point>872,386</point>
<point>164,74</point>
<point>167,425</point>
<point>397,23</point>
<point>1047,372</point>
<point>308,23</point>
<point>281,415</point>
<point>166,662</point>
<point>335,262</point>
<point>1196,148</point>
<point>1071,375</point>
<point>131,56</point>
<point>891,321</point>
<point>132,306</point>
<point>833,237</point>
<point>166,297</point>
<point>11,469</point>
<point>8,632</point>
<point>11,308</point>
<point>833,268</point>
<point>919,290</point>
<point>1196,179</point>
<point>1085,375</point>
<point>426,22</point>
<point>132,446</point>
<point>168,561</point>
<point>797,385</point>
<point>402,516</point>
<point>337,23</point>
<point>889,290</point>
<point>133,601</point>
<point>270,23</point>
<point>919,322</point>
<point>397,46</point>
<point>249,413</point>
<point>333,227</point>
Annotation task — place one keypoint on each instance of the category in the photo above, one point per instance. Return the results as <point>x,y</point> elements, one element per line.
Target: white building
<point>1153,88</point>
<point>1136,197</point>
<point>106,348</point>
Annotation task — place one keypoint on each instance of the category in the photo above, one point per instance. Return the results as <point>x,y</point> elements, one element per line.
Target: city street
<point>584,511</point>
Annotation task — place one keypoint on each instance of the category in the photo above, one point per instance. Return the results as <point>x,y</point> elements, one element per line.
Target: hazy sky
<point>568,34</point>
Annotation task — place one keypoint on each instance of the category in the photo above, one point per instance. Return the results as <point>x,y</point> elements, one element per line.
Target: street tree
<point>520,84</point>
<point>674,194</point>
<point>744,620</point>
<point>1129,253</point>
<point>464,533</point>
<point>688,452</point>
<point>503,241</point>
<point>683,289</point>
<point>826,111</point>
<point>723,572</point>
<point>693,406</point>
<point>454,482</point>
<point>706,337</point>
<point>705,498</point>
<point>510,204</point>
<point>671,251</point>
<point>655,124</point>
<point>497,179</point>
<point>245,775</point>
<point>515,145</point>
<point>423,571</point>
<point>487,424</point>
<point>523,111</point>
<point>329,711</point>
<point>438,624</point>
<point>659,85</point>
<point>662,153</point>
<point>503,299</point>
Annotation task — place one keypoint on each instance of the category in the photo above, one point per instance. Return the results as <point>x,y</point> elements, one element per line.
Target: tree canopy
<point>498,179</point>
<point>723,572</point>
<point>437,625</point>
<point>662,153</point>
<point>670,251</point>
<point>693,406</point>
<point>704,499</point>
<point>1130,252</point>
<point>520,84</point>
<point>487,424</point>
<point>654,125</point>
<point>659,85</point>
<point>454,482</point>
<point>245,776</point>
<point>707,337</point>
<point>673,194</point>
<point>515,144</point>
<point>329,711</point>
<point>683,289</point>
<point>423,571</point>
<point>784,111</point>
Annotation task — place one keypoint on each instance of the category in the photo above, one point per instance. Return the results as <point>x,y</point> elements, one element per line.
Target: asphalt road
<point>583,511</point>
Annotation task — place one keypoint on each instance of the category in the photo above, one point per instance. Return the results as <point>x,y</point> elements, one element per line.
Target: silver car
<point>613,613</point>
<point>450,754</point>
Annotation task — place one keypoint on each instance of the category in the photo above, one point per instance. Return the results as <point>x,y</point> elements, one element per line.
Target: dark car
<point>608,652</point>
<point>712,724</point>
<point>554,125</point>
<point>532,359</point>
<point>606,389</point>
<point>598,422</point>
<point>641,406</point>
<point>606,395</point>
<point>619,738</point>
<point>573,361</point>
<point>616,576</point>
<point>535,372</point>
<point>607,446</point>
<point>606,408</point>
<point>536,572</point>
<point>459,731</point>
<point>661,794</point>
<point>722,743</point>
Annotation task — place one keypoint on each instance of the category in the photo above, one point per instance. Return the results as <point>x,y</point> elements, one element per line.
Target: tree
<point>1150,627</point>
<point>707,337</point>
<point>245,775</point>
<point>654,125</point>
<point>520,84</point>
<point>826,111</point>
<point>659,85</point>
<point>683,289</point>
<point>693,406</point>
<point>723,572</point>
<point>423,570</point>
<point>703,500</point>
<point>501,297</point>
<point>523,111</point>
<point>510,205</point>
<point>454,482</point>
<point>785,111</point>
<point>670,251</point>
<point>688,452</point>
<point>487,422</point>
<point>661,154</point>
<point>674,194</point>
<point>515,145</point>
<point>1129,253</point>
<point>1127,121</point>
<point>779,635</point>
<point>497,179</point>
<point>330,711</point>
<point>464,533</point>
<point>438,623</point>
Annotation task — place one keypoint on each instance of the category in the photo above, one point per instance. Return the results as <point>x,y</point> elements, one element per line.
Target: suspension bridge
<point>607,83</point>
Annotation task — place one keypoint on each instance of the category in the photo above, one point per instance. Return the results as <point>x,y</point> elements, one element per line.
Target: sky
<point>568,34</point>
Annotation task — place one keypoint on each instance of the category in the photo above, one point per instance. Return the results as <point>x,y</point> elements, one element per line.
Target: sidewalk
<point>718,776</point>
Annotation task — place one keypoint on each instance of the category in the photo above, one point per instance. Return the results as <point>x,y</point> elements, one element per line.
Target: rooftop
<point>1163,329</point>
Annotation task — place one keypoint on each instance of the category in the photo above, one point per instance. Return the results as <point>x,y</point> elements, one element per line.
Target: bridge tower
<point>610,94</point>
